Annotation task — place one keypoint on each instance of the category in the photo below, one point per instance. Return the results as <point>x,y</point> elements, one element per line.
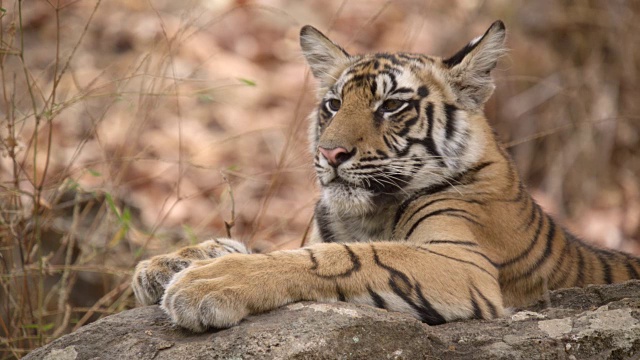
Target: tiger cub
<point>422,210</point>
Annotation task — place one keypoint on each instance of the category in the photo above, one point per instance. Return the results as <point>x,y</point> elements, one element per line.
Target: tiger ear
<point>470,68</point>
<point>325,58</point>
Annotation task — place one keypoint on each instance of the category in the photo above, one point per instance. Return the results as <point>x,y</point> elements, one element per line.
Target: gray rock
<point>598,322</point>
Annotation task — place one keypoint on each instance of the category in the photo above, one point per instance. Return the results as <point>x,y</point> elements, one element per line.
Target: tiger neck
<point>343,227</point>
<point>488,177</point>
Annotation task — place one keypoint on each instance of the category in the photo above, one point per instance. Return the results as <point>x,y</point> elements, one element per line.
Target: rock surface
<point>598,322</point>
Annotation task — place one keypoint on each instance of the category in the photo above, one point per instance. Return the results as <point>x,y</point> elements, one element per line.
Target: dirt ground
<point>175,117</point>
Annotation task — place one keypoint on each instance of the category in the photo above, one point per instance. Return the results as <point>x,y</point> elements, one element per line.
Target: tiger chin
<point>422,210</point>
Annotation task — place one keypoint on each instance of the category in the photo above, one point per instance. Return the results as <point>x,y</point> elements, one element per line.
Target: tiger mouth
<point>339,181</point>
<point>373,186</point>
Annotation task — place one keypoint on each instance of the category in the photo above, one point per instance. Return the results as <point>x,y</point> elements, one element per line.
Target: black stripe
<point>493,263</point>
<point>535,211</point>
<point>355,264</point>
<point>378,119</point>
<point>512,176</point>
<point>324,112</point>
<point>461,54</point>
<point>428,314</point>
<point>394,83</point>
<point>436,188</point>
<point>370,158</point>
<point>606,268</point>
<point>407,126</point>
<point>526,203</point>
<point>466,218</point>
<point>393,272</point>
<point>367,167</point>
<point>547,251</point>
<point>404,289</point>
<point>569,282</point>
<point>604,256</point>
<point>453,242</point>
<point>423,192</point>
<point>521,191</point>
<point>341,296</point>
<point>322,220</point>
<point>445,212</point>
<point>391,57</point>
<point>492,308</point>
<point>373,86</point>
<point>450,114</point>
<point>414,57</point>
<point>477,313</point>
<point>456,259</point>
<point>423,91</point>
<point>229,249</point>
<point>428,142</point>
<point>533,243</point>
<point>354,259</point>
<point>557,269</point>
<point>464,243</point>
<point>580,277</point>
<point>474,170</point>
<point>633,273</point>
<point>376,65</point>
<point>312,257</point>
<point>358,80</point>
<point>429,203</point>
<point>389,145</point>
<point>404,90</point>
<point>377,299</point>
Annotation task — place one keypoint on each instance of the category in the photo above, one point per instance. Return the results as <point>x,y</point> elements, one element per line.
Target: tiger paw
<point>152,276</point>
<point>220,293</point>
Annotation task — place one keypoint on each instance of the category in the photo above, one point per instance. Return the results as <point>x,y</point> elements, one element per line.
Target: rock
<point>599,322</point>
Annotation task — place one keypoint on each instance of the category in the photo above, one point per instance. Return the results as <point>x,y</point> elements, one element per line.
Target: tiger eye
<point>334,104</point>
<point>391,105</point>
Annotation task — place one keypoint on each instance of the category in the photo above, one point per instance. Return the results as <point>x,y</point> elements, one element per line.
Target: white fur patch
<point>347,200</point>
<point>475,41</point>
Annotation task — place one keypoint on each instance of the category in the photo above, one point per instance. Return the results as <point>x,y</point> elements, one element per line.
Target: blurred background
<point>131,128</point>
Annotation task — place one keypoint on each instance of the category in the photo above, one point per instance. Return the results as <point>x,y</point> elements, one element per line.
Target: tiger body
<point>422,211</point>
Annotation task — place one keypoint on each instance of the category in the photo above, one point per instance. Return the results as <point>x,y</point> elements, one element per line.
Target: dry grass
<point>132,128</point>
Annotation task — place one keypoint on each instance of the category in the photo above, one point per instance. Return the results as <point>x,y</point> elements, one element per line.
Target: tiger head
<point>388,125</point>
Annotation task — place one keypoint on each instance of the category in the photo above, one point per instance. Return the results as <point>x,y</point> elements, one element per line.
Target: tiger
<point>421,209</point>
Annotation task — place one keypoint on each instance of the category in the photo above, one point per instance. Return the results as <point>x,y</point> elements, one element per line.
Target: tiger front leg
<point>152,276</point>
<point>219,293</point>
<point>395,276</point>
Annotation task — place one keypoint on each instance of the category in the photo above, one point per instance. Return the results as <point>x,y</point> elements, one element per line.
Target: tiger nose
<point>336,156</point>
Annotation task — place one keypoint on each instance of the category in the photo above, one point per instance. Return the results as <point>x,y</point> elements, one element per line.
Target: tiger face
<point>388,125</point>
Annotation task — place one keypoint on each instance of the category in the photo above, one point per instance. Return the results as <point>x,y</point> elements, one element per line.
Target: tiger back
<point>421,211</point>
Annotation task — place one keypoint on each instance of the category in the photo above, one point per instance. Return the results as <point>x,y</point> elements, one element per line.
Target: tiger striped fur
<point>422,210</point>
